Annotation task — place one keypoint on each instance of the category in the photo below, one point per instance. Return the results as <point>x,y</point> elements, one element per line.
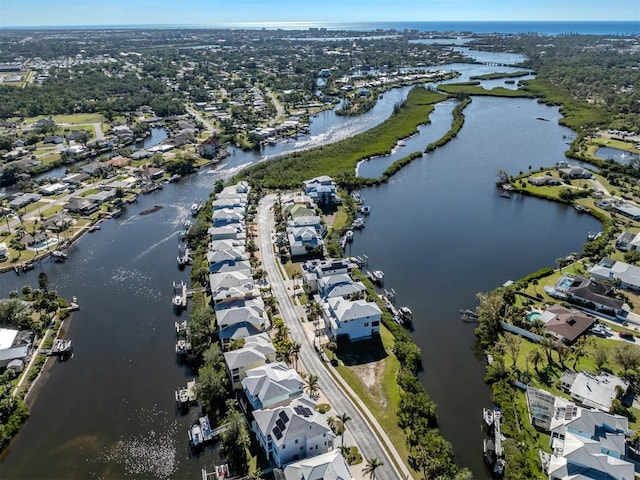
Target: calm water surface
<point>438,229</point>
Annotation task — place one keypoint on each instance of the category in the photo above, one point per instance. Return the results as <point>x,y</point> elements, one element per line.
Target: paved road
<point>367,439</point>
<point>279,108</point>
<point>201,119</point>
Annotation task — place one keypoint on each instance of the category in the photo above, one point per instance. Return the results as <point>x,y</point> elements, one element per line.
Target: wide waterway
<point>438,229</point>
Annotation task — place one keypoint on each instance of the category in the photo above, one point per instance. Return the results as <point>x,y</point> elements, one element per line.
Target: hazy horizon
<point>279,13</point>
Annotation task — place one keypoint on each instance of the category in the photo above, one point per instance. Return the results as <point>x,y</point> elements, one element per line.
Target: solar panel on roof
<point>307,412</point>
<point>280,424</point>
<point>277,433</point>
<point>283,416</point>
<point>298,409</point>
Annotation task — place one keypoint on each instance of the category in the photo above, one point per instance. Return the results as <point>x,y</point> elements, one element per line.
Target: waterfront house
<point>322,190</point>
<point>257,351</point>
<point>102,196</point>
<point>566,324</point>
<point>230,286</point>
<point>351,319</point>
<point>229,258</point>
<point>544,180</point>
<point>228,232</point>
<point>627,241</point>
<point>152,173</point>
<point>270,384</point>
<point>575,172</point>
<point>15,345</point>
<point>594,391</point>
<point>304,240</point>
<point>209,147</point>
<point>80,205</point>
<point>313,270</point>
<point>228,217</point>
<point>590,294</point>
<point>627,209</point>
<point>230,202</point>
<point>547,411</point>
<point>229,244</point>
<point>611,270</point>
<point>240,322</point>
<point>590,446</point>
<point>291,432</point>
<point>327,466</point>
<point>341,285</point>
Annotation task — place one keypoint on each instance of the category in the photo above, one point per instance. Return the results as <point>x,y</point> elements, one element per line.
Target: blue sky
<point>229,12</point>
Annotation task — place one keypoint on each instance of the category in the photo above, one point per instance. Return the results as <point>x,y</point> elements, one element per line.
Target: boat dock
<point>60,348</point>
<point>468,315</point>
<point>186,396</point>
<point>221,471</point>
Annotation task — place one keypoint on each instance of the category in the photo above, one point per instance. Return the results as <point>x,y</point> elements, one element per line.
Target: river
<point>438,229</point>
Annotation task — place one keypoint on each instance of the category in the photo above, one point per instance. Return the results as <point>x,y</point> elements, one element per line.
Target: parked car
<point>626,335</point>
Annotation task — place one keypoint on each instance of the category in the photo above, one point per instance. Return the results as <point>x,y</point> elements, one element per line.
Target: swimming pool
<point>532,316</point>
<point>564,282</point>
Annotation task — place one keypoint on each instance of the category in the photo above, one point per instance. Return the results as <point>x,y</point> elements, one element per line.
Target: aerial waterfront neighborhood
<point>303,293</point>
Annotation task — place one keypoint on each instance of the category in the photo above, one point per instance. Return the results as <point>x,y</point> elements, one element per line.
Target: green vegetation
<point>498,75</point>
<point>576,115</point>
<point>340,159</point>
<point>456,126</point>
<point>474,88</point>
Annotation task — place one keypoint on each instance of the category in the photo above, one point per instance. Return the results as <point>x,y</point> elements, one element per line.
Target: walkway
<point>371,439</point>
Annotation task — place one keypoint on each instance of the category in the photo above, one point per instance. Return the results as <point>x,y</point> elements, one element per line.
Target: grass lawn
<point>370,369</point>
<point>76,118</point>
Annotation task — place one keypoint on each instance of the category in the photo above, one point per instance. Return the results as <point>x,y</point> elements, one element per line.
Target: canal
<point>438,229</point>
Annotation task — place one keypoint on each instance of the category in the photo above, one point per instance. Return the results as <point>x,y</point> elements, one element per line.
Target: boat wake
<point>154,245</point>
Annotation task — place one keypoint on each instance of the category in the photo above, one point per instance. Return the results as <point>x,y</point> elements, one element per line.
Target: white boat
<point>349,235</point>
<point>195,208</point>
<point>195,435</point>
<point>487,415</point>
<point>366,209</point>
<point>378,277</point>
<point>177,302</point>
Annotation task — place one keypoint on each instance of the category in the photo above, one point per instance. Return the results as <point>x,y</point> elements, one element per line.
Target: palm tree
<point>372,465</point>
<point>535,356</point>
<point>295,352</point>
<point>333,347</point>
<point>312,385</point>
<point>344,419</point>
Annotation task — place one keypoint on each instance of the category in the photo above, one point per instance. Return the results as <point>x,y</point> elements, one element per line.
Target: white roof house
<point>257,351</point>
<point>595,391</point>
<point>270,384</point>
<point>354,319</point>
<point>608,269</point>
<point>591,446</point>
<point>292,432</point>
<point>328,466</point>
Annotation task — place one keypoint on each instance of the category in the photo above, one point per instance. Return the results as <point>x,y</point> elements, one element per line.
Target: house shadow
<point>362,351</point>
